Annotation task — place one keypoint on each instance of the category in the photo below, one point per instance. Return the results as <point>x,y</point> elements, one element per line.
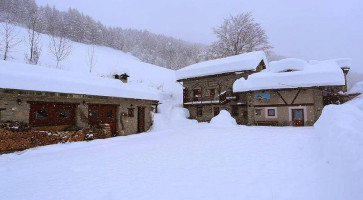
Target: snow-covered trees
<point>91,58</point>
<point>148,47</point>
<point>33,40</point>
<point>239,34</point>
<point>59,48</point>
<point>9,38</point>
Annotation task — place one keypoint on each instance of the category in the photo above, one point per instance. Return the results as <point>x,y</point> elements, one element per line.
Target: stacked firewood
<point>18,137</point>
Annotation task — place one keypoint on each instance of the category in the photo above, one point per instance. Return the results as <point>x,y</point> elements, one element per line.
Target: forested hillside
<point>148,47</point>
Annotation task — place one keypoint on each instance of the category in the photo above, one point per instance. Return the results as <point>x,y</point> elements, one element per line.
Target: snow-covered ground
<point>199,162</point>
<point>194,161</point>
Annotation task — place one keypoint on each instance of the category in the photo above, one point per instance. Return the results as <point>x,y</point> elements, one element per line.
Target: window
<point>41,114</point>
<point>212,92</point>
<point>199,111</point>
<point>216,111</point>
<point>258,112</point>
<point>94,113</point>
<point>271,112</point>
<point>235,111</point>
<point>64,114</point>
<point>109,113</point>
<point>130,112</point>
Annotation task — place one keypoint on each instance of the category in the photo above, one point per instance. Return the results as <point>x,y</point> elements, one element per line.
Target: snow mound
<point>293,64</point>
<point>223,119</point>
<point>242,62</point>
<point>341,133</point>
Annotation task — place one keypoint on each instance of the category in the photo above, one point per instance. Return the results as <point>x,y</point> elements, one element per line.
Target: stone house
<point>255,92</point>
<point>208,85</point>
<point>50,99</point>
<point>293,92</point>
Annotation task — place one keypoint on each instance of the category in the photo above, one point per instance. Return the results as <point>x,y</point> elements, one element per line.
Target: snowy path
<point>202,163</point>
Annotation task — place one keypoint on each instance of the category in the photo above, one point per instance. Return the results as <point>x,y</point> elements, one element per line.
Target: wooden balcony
<point>223,98</point>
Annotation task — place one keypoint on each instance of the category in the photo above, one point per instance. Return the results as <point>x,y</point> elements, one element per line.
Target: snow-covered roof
<point>37,78</point>
<point>294,73</point>
<point>242,62</point>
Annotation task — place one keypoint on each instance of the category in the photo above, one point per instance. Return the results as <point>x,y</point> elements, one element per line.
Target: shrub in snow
<point>223,119</point>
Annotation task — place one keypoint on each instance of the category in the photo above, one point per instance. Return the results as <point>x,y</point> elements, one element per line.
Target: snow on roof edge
<point>242,62</point>
<point>36,78</point>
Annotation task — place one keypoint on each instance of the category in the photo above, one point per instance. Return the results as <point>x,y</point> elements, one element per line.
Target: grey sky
<point>310,29</point>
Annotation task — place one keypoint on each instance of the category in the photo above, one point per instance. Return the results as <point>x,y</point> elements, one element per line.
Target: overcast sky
<point>309,29</point>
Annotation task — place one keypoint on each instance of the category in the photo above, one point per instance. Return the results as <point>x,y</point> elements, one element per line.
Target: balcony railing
<point>222,98</point>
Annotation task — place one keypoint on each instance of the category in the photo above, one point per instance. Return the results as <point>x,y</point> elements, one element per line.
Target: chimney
<point>345,71</point>
<point>124,77</point>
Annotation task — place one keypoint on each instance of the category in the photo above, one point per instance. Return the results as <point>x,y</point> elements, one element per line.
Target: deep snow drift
<point>340,130</point>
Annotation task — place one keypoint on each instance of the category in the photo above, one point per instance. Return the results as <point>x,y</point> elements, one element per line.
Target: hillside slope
<point>108,62</point>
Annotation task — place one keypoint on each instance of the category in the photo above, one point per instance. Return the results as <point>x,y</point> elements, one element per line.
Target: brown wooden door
<point>298,117</point>
<point>51,114</point>
<point>103,114</point>
<point>140,119</point>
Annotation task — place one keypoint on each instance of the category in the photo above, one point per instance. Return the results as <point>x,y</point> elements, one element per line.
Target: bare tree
<point>33,37</point>
<point>59,48</point>
<point>239,34</point>
<point>91,59</point>
<point>9,37</point>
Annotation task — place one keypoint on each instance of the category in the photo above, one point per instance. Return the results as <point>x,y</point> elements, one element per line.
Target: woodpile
<point>17,137</point>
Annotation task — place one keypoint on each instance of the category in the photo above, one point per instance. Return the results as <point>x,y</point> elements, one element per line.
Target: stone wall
<point>16,107</point>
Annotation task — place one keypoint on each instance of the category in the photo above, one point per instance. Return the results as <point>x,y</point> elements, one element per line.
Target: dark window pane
<point>94,113</point>
<point>212,92</point>
<point>64,114</point>
<point>298,115</point>
<point>258,112</point>
<point>271,112</point>
<point>109,114</point>
<point>131,112</point>
<point>41,114</point>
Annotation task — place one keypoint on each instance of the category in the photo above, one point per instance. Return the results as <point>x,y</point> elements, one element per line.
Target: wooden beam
<point>297,94</point>
<point>281,97</point>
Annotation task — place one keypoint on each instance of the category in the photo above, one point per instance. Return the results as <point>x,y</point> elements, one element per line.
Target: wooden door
<point>103,114</point>
<point>298,117</point>
<point>52,114</point>
<point>140,119</point>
